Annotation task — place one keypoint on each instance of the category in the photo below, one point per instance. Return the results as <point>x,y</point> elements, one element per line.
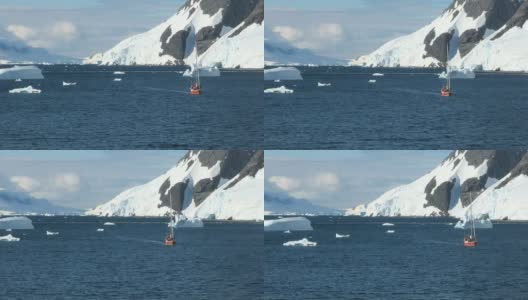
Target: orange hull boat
<point>196,92</point>
<point>470,243</point>
<point>446,93</point>
<point>170,242</point>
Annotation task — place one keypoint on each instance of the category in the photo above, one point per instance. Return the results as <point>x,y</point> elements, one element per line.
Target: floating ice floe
<point>117,79</point>
<point>9,230</point>
<point>387,224</point>
<point>26,90</point>
<point>481,222</point>
<point>100,229</point>
<point>204,72</point>
<point>64,83</point>
<point>320,84</point>
<point>287,232</point>
<point>18,80</point>
<point>304,242</point>
<point>372,81</point>
<point>378,74</point>
<point>290,224</point>
<point>109,224</point>
<point>277,80</point>
<point>51,233</point>
<point>278,90</point>
<point>9,238</point>
<point>119,73</point>
<point>19,73</point>
<point>458,74</point>
<point>283,73</point>
<point>342,236</point>
<point>181,221</point>
<point>390,231</point>
<point>16,223</point>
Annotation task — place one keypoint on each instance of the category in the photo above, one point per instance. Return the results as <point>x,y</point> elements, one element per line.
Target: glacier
<point>288,224</point>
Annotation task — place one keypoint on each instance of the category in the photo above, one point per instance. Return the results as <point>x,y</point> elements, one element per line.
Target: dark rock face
<point>520,169</point>
<point>234,12</point>
<point>469,39</point>
<point>438,49</point>
<point>241,163</point>
<point>518,20</point>
<point>441,198</point>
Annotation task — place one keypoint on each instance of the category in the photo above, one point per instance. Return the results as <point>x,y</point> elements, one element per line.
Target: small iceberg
<point>26,90</point>
<point>181,221</point>
<point>342,236</point>
<point>319,84</point>
<point>387,224</point>
<point>277,80</point>
<point>10,223</point>
<point>51,233</point>
<point>18,73</point>
<point>287,232</point>
<point>288,224</point>
<point>304,242</point>
<point>372,81</point>
<point>109,224</point>
<point>18,80</point>
<point>64,83</point>
<point>283,73</point>
<point>9,238</point>
<point>119,73</point>
<point>458,74</point>
<point>279,90</point>
<point>481,222</point>
<point>9,230</point>
<point>100,229</point>
<point>117,79</point>
<point>378,74</point>
<point>390,231</point>
<point>204,72</point>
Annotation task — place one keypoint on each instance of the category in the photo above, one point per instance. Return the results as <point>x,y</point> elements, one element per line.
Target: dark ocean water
<point>150,109</point>
<point>129,261</point>
<point>423,259</point>
<point>403,110</point>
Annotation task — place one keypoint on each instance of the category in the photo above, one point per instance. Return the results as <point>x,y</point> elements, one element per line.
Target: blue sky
<point>81,179</point>
<point>347,29</point>
<point>80,28</point>
<point>344,179</point>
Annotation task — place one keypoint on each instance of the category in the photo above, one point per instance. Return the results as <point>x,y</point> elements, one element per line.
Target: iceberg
<point>9,238</point>
<point>279,90</point>
<point>117,79</point>
<point>390,231</point>
<point>181,221</point>
<point>378,75</point>
<point>18,80</point>
<point>51,233</point>
<point>481,222</point>
<point>387,224</point>
<point>372,81</point>
<point>319,84</point>
<point>64,83</point>
<point>283,73</point>
<point>119,73</point>
<point>26,90</point>
<point>288,224</point>
<point>100,229</point>
<point>276,80</point>
<point>304,242</point>
<point>204,72</point>
<point>18,73</point>
<point>109,224</point>
<point>287,232</point>
<point>16,223</point>
<point>458,74</point>
<point>342,236</point>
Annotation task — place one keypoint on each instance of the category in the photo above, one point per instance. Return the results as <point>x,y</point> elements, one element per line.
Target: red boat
<point>470,242</point>
<point>195,90</point>
<point>169,239</point>
<point>446,92</point>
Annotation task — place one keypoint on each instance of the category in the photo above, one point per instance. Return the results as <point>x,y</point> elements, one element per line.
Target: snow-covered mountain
<point>203,184</point>
<point>493,182</point>
<point>275,204</point>
<point>13,51</point>
<point>22,203</point>
<point>487,34</point>
<point>278,51</point>
<point>227,33</point>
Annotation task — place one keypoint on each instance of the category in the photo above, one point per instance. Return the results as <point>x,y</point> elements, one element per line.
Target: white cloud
<point>67,181</point>
<point>285,183</point>
<point>25,183</point>
<point>330,31</point>
<point>46,37</point>
<point>288,33</point>
<point>326,181</point>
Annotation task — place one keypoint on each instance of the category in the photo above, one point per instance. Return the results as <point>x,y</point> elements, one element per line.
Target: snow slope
<point>227,32</point>
<point>487,34</point>
<point>493,182</point>
<point>203,184</point>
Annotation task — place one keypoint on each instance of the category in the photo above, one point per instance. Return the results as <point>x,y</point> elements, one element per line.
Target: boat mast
<point>447,67</point>
<point>196,61</point>
<point>172,215</point>
<point>473,231</point>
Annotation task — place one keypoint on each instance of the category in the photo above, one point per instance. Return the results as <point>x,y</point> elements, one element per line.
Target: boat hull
<point>196,92</point>
<point>470,244</point>
<point>446,93</point>
<point>170,242</point>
